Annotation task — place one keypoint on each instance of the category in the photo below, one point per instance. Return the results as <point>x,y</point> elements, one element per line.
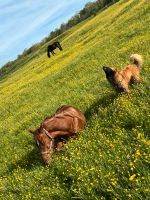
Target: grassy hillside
<point>110,158</point>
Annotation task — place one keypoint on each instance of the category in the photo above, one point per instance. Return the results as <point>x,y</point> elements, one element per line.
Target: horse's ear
<point>31,131</point>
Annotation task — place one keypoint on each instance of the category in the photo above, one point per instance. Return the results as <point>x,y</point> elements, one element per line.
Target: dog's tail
<point>137,60</point>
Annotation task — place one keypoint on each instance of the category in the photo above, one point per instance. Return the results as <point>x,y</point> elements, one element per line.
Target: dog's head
<point>114,78</point>
<point>110,72</point>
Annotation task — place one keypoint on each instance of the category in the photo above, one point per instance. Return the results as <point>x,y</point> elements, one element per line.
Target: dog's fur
<point>120,80</point>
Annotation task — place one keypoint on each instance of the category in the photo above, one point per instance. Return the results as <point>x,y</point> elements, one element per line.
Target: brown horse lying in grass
<point>55,129</point>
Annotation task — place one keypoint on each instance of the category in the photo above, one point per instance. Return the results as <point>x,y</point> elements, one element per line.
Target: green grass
<point>110,158</point>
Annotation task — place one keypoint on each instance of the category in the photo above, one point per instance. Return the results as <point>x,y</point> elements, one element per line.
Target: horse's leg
<point>48,53</point>
<point>59,145</point>
<point>53,53</point>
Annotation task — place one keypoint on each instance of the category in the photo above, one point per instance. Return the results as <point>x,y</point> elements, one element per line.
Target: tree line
<point>90,9</point>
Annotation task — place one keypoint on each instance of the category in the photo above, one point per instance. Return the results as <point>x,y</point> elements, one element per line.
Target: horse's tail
<point>48,52</point>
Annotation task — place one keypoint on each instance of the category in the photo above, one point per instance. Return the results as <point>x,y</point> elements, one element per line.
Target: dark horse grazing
<point>52,47</point>
<point>55,129</point>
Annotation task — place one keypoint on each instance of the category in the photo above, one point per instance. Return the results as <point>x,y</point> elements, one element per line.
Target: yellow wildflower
<point>132,177</point>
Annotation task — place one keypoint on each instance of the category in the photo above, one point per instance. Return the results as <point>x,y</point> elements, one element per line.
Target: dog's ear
<point>109,71</point>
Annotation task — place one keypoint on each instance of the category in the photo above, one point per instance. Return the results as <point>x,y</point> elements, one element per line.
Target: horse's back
<point>70,110</point>
<point>65,118</point>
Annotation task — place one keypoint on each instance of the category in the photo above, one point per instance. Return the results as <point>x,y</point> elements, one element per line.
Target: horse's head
<point>59,46</point>
<point>44,142</point>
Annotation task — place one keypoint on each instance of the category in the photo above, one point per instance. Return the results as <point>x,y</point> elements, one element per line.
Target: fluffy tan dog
<point>120,80</point>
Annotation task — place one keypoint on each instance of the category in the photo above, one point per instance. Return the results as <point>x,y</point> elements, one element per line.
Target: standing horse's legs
<point>48,53</point>
<point>53,53</point>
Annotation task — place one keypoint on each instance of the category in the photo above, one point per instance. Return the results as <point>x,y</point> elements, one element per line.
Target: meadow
<point>110,158</point>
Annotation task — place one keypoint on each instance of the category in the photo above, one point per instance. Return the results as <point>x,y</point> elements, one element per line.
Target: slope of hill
<point>110,158</point>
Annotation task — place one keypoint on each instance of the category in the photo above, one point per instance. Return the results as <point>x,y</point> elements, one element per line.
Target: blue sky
<point>26,22</point>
